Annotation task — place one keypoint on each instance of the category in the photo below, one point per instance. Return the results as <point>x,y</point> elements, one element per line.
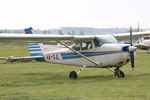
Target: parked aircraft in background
<point>143,43</point>
<point>28,30</point>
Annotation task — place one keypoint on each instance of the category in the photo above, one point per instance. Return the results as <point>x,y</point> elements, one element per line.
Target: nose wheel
<point>119,73</point>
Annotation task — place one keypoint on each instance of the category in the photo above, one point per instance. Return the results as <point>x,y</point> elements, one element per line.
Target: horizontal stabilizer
<point>21,59</point>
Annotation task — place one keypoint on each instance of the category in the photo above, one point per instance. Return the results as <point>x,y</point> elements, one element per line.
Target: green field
<point>45,81</point>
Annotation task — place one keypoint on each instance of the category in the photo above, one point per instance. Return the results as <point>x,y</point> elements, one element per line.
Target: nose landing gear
<point>119,73</point>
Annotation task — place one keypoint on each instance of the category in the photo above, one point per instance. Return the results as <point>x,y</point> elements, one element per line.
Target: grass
<point>45,81</point>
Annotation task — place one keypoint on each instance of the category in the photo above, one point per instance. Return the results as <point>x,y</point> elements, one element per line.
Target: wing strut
<point>79,53</point>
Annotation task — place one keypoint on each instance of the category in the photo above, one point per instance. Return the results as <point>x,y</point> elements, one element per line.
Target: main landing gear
<point>74,75</point>
<point>119,73</point>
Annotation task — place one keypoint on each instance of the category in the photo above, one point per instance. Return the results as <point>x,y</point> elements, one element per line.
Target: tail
<point>28,30</point>
<point>36,49</point>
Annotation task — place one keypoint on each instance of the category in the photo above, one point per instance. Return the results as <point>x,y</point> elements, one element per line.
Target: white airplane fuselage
<point>107,55</point>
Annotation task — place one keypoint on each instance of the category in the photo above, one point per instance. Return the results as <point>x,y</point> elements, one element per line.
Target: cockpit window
<point>83,46</point>
<point>98,41</point>
<point>86,45</point>
<point>77,47</point>
<point>146,38</point>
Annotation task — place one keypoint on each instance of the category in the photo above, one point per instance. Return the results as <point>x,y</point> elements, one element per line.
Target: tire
<point>120,74</point>
<point>73,75</point>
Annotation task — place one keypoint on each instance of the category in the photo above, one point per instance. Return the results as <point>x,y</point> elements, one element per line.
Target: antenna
<point>138,28</point>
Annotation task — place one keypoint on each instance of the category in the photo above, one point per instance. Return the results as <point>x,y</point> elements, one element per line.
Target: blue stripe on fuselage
<point>33,44</point>
<point>87,54</point>
<point>35,47</point>
<point>36,54</point>
<point>36,50</point>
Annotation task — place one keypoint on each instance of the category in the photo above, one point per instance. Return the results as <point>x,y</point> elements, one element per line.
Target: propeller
<point>131,52</point>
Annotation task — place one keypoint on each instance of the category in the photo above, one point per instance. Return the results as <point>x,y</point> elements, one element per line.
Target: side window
<point>83,46</point>
<point>86,45</point>
<point>77,47</point>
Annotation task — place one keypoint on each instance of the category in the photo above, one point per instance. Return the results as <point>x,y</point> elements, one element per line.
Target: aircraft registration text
<point>53,56</point>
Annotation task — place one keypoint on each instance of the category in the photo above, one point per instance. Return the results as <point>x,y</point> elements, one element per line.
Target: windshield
<point>105,39</point>
<point>146,38</point>
<point>98,41</point>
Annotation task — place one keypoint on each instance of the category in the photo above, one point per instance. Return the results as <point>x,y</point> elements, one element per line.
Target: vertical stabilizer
<point>28,30</point>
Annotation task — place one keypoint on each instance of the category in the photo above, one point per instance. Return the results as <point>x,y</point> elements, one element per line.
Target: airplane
<point>88,51</point>
<point>28,30</point>
<point>143,43</point>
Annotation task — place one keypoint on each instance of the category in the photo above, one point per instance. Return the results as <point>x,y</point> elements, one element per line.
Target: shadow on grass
<point>100,77</point>
<point>139,75</point>
<point>112,77</point>
<point>61,78</point>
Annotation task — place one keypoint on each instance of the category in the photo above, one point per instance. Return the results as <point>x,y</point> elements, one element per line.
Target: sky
<point>50,14</point>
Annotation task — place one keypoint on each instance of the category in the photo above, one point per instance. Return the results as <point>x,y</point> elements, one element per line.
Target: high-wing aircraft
<point>143,43</point>
<point>89,51</point>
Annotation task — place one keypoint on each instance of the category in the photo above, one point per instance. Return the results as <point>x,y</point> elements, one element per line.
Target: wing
<point>46,37</point>
<point>43,37</point>
<point>120,36</point>
<point>21,59</point>
<point>37,37</point>
<point>143,46</point>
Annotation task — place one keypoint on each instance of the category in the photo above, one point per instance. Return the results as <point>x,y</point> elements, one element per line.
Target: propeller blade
<point>131,36</point>
<point>132,59</point>
<point>132,52</point>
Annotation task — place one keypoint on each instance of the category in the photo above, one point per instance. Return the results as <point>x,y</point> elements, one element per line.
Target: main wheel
<point>73,75</point>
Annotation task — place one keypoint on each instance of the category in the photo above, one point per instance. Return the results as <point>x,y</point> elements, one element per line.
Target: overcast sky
<point>48,14</point>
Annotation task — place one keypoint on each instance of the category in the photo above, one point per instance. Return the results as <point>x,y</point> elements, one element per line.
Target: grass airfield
<point>45,81</point>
